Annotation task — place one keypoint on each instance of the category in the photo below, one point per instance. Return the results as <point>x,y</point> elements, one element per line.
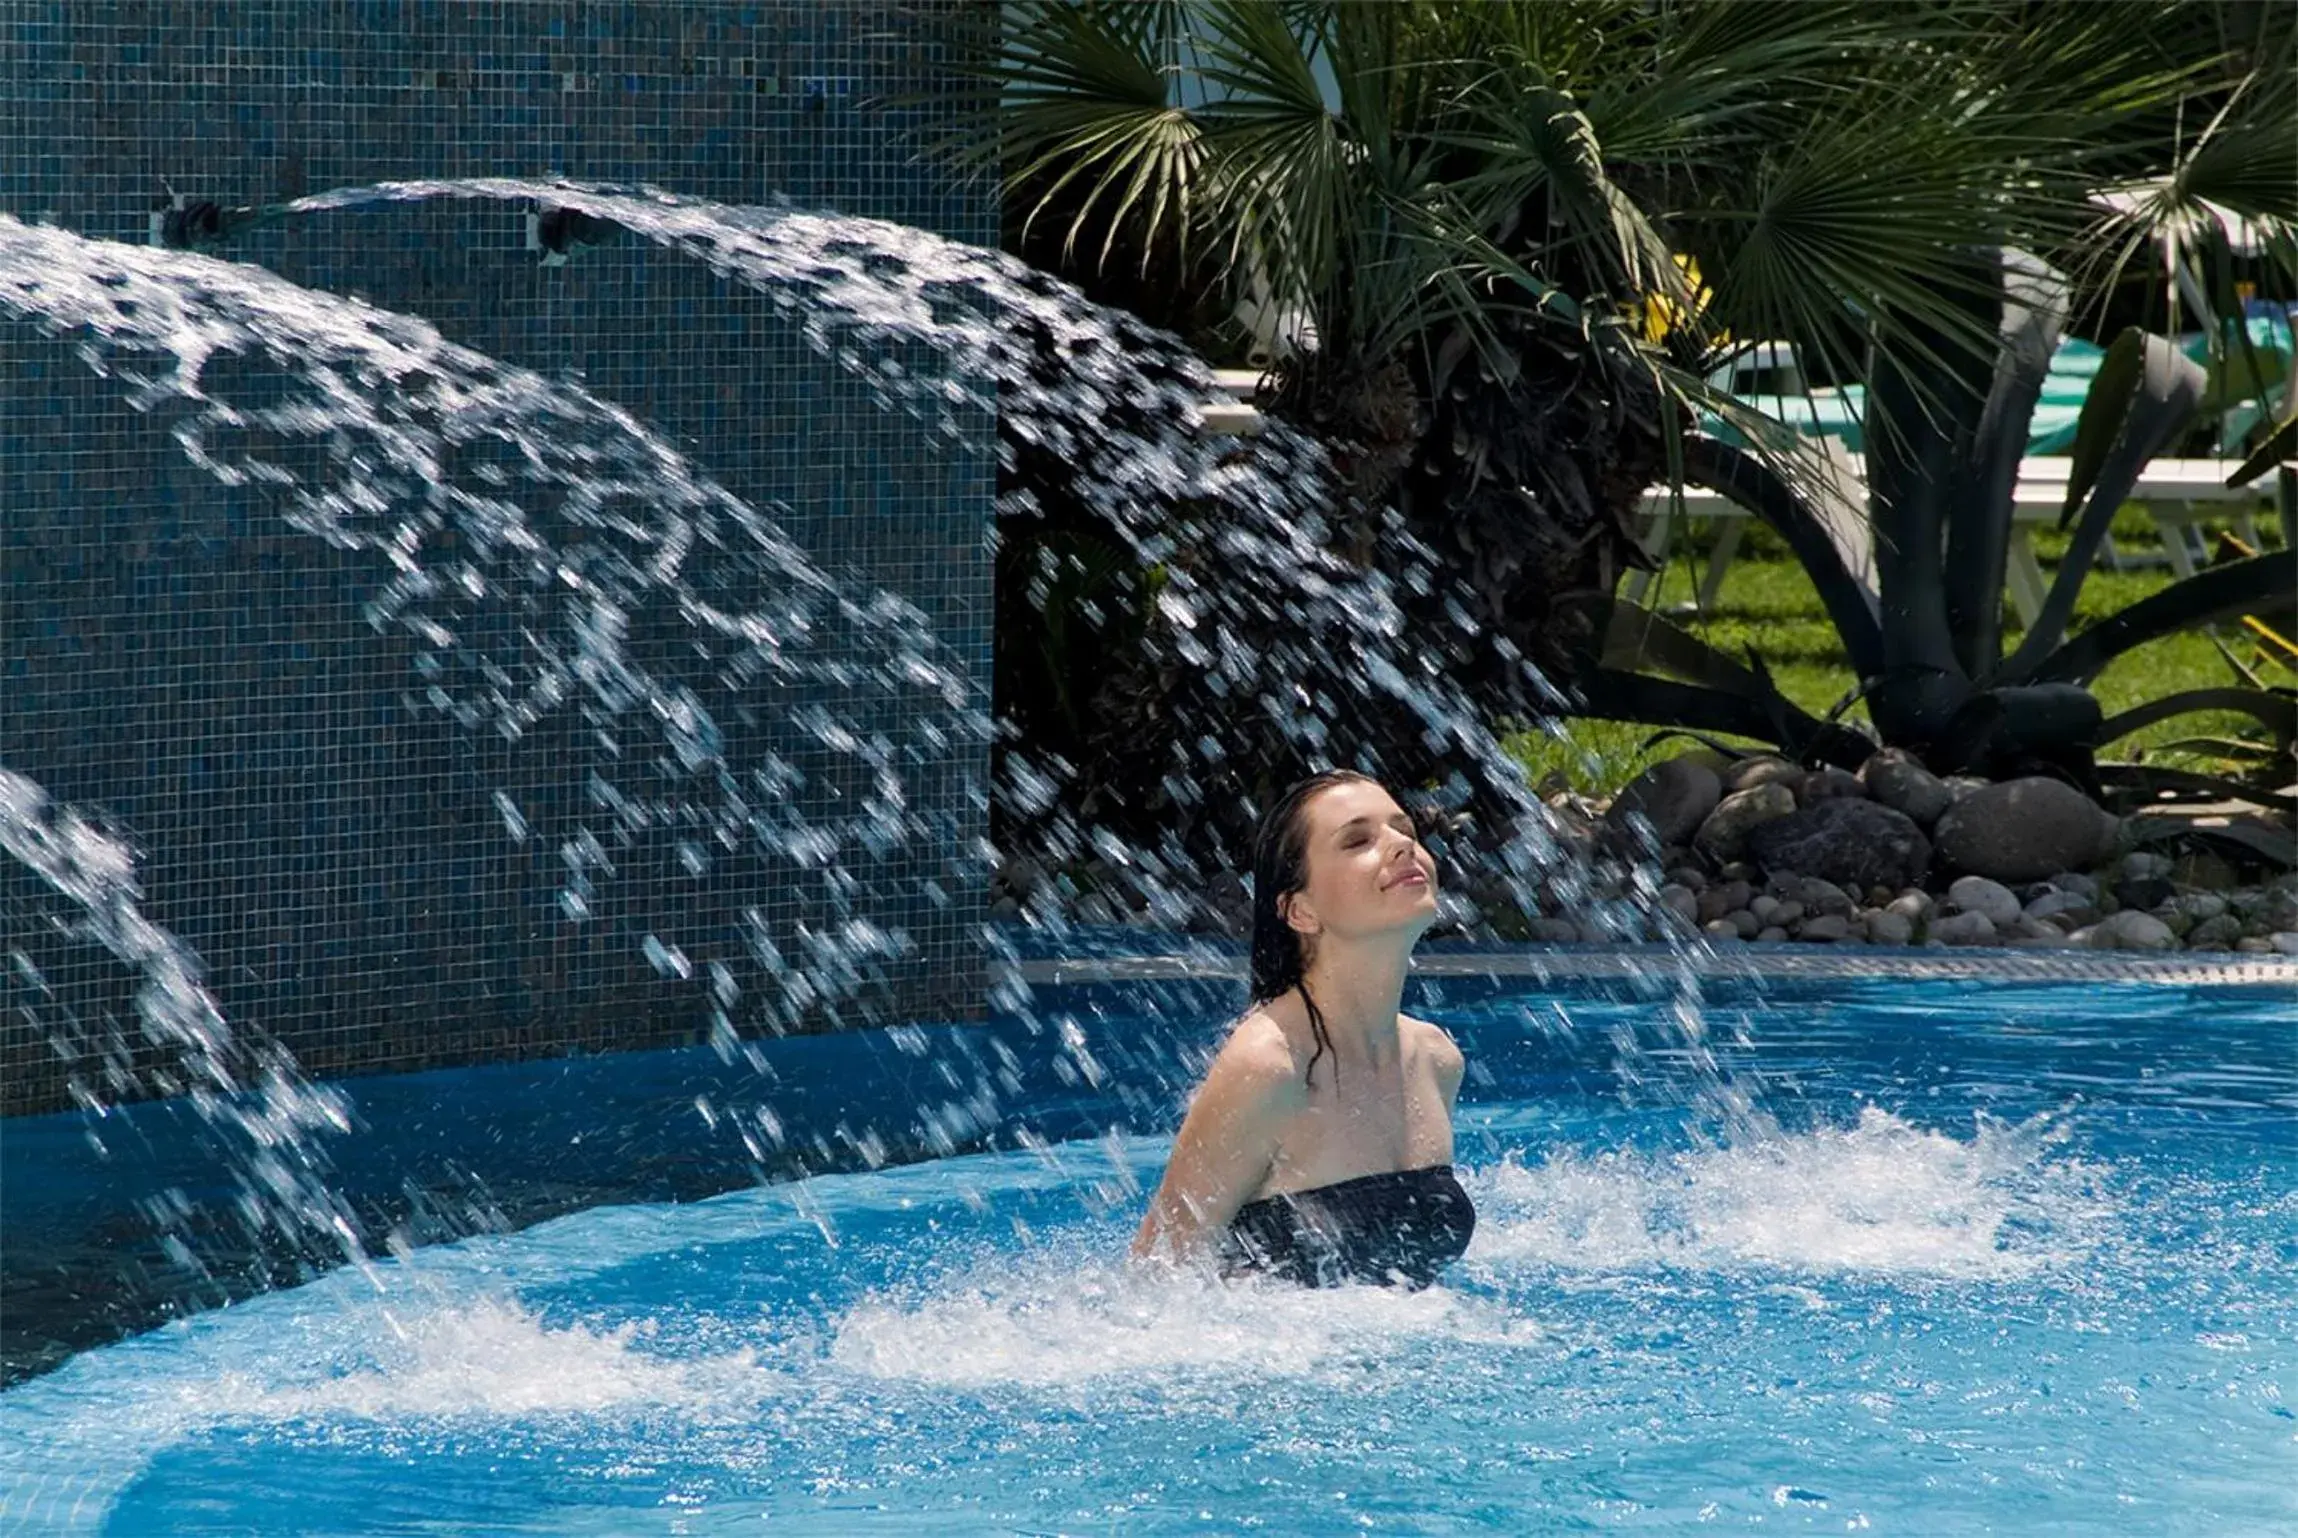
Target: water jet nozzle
<point>555,232</point>
<point>186,224</point>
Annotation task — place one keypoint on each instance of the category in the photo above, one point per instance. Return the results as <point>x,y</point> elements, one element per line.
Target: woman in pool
<point>1319,1147</point>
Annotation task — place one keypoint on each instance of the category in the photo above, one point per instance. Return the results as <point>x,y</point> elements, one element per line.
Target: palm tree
<point>1522,233</point>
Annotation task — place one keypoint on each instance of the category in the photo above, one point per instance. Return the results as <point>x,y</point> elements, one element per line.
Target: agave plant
<point>1473,212</point>
<point>1917,598</point>
<point>1921,623</point>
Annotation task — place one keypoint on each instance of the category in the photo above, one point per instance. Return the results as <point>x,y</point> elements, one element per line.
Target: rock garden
<point>1764,851</point>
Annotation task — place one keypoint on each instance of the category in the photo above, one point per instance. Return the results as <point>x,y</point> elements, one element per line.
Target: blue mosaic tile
<point>180,661</point>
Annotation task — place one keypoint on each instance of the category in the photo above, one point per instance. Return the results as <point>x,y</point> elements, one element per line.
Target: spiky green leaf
<point>2153,397</point>
<point>2261,585</point>
<point>2276,709</point>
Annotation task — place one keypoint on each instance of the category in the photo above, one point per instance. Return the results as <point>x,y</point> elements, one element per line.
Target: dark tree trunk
<point>1526,488</point>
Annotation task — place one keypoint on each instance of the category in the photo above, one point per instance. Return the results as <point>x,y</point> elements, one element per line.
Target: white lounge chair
<point>2180,494</point>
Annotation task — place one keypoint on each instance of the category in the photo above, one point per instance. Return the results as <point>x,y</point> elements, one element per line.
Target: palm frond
<point>1089,127</point>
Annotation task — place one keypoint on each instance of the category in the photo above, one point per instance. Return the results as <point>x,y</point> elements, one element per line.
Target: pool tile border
<point>1560,965</point>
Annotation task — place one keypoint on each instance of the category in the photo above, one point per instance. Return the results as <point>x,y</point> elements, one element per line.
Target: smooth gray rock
<point>2023,830</point>
<point>1819,895</point>
<point>1722,898</point>
<point>1824,928</point>
<point>2284,941</point>
<point>2076,882</point>
<point>1743,923</point>
<point>1964,929</point>
<point>1682,902</point>
<point>1768,769</point>
<point>1845,842</point>
<point>1831,784</point>
<point>1724,836</point>
<point>1774,935</point>
<point>1898,780</point>
<point>2200,906</point>
<point>1674,796</point>
<point>2131,930</point>
<point>1912,905</point>
<point>1976,894</point>
<point>2145,865</point>
<point>2215,933</point>
<point>2068,908</point>
<point>1884,927</point>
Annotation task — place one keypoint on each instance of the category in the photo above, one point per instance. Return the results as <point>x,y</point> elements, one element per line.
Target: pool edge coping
<point>1770,963</point>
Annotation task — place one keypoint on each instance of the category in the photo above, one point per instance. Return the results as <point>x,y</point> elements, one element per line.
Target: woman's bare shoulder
<point>1433,1041</point>
<point>1258,1058</point>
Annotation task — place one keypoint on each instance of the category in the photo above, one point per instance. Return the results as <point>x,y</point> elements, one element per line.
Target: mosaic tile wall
<point>178,660</point>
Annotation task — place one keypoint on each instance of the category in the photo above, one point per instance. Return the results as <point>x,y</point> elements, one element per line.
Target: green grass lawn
<point>1767,603</point>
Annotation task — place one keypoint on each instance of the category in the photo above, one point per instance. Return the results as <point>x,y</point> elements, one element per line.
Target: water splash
<point>1882,1197</point>
<point>1880,1201</point>
<point>1065,1318</point>
<point>494,1357</point>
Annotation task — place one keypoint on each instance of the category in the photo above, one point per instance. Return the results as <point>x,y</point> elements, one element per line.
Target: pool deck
<point>1574,963</point>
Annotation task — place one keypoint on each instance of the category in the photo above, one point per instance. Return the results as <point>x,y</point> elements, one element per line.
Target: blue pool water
<point>2005,1259</point>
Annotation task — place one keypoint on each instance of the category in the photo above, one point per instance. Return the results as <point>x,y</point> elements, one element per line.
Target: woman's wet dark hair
<point>1281,868</point>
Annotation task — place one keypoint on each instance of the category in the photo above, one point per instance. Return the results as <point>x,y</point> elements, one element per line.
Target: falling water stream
<point>1116,403</point>
<point>1677,1311</point>
<point>519,527</point>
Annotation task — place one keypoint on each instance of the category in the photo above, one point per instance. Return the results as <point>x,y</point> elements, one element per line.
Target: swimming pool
<point>1992,1258</point>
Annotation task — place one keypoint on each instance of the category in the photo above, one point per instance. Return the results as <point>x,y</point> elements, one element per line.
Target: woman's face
<point>1367,872</point>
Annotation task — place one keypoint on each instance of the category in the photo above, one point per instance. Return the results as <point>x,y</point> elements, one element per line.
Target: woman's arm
<point>1226,1144</point>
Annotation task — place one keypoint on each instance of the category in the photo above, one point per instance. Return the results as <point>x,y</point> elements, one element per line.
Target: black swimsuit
<point>1403,1226</point>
